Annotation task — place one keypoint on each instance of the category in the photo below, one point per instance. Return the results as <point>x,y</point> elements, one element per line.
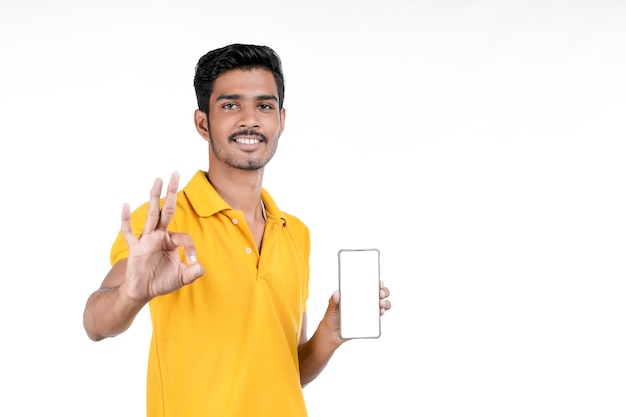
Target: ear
<point>283,114</point>
<point>201,121</point>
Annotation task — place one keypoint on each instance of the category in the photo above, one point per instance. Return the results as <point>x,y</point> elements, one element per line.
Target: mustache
<point>248,133</point>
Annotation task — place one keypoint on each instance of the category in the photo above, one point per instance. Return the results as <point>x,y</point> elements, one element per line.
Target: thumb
<point>333,303</point>
<point>192,272</point>
<point>331,318</point>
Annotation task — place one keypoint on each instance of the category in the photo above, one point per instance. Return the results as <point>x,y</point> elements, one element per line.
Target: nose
<point>249,117</point>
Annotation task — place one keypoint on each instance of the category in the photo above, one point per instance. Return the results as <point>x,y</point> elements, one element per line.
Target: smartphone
<point>359,293</point>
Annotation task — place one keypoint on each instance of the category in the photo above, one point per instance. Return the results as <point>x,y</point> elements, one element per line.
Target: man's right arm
<point>110,310</point>
<point>153,267</point>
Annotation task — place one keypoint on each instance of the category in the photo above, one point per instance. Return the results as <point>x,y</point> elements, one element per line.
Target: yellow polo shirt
<point>227,344</point>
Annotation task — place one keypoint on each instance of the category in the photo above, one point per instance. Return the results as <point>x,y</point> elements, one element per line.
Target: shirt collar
<point>207,202</point>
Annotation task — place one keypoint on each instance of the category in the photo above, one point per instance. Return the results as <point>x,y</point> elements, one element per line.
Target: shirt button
<point>248,251</point>
<point>235,221</point>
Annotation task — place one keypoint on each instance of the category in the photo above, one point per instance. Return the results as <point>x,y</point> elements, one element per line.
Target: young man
<point>225,272</point>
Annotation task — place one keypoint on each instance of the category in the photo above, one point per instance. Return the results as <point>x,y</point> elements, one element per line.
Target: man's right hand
<point>154,267</point>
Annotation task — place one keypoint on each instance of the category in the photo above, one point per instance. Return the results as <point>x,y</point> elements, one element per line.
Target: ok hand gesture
<point>154,266</point>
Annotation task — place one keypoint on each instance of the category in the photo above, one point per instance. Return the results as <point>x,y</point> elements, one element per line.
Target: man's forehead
<point>246,82</point>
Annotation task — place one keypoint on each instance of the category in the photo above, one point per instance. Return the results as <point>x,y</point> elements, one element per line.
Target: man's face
<point>244,119</point>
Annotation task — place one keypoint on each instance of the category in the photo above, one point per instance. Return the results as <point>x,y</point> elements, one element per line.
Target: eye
<point>265,106</point>
<point>229,106</point>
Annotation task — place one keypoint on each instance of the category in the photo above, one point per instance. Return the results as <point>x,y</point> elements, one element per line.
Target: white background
<point>479,145</point>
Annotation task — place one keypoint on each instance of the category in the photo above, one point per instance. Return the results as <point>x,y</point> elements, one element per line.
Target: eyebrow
<point>263,97</point>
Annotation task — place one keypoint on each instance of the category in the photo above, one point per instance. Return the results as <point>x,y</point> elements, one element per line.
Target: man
<point>225,272</point>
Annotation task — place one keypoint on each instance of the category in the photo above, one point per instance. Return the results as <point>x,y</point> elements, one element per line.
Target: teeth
<point>247,141</point>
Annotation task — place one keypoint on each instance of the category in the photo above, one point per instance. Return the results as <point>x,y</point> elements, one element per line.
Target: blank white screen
<point>359,293</point>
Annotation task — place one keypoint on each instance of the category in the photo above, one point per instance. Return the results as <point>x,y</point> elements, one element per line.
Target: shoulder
<point>294,221</point>
<point>297,228</point>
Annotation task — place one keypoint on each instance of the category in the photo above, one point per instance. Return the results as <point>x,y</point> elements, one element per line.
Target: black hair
<point>236,56</point>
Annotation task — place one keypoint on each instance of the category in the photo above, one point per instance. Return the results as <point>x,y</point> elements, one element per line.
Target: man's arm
<point>110,310</point>
<point>315,353</point>
<point>153,267</point>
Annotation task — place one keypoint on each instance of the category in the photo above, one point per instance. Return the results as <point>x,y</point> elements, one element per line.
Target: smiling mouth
<point>248,137</point>
<point>247,141</point>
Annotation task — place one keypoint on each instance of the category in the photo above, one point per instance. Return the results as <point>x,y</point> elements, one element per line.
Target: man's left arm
<point>315,353</point>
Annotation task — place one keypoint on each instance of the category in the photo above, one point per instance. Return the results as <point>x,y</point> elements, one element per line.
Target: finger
<point>384,306</point>
<point>169,203</point>
<point>333,303</point>
<point>193,270</point>
<point>384,292</point>
<point>126,230</point>
<point>185,241</point>
<point>154,210</point>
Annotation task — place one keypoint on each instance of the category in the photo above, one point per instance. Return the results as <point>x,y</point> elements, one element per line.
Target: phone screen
<point>359,289</point>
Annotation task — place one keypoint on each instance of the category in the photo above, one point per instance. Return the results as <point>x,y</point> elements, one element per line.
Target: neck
<point>241,192</point>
